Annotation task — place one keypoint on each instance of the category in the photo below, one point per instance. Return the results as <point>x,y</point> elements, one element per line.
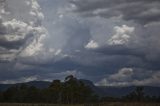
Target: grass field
<point>102,104</point>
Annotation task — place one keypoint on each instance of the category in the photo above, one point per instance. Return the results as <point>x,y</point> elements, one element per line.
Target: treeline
<point>137,95</point>
<point>71,91</point>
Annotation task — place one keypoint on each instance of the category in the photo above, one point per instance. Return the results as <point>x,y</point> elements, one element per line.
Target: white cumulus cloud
<point>92,45</point>
<point>123,74</point>
<point>122,35</point>
<point>21,28</point>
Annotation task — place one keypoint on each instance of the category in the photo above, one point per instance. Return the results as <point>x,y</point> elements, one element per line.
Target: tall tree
<point>136,95</point>
<point>56,89</point>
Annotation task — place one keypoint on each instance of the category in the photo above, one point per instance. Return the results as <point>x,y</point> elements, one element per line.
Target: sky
<point>110,42</point>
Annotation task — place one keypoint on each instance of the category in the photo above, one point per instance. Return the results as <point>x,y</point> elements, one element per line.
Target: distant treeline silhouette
<point>71,91</point>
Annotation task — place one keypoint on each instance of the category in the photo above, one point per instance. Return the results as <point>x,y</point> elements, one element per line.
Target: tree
<point>56,89</point>
<point>71,91</point>
<point>76,91</point>
<point>33,94</point>
<point>139,92</point>
<point>9,94</point>
<point>1,97</point>
<point>136,95</point>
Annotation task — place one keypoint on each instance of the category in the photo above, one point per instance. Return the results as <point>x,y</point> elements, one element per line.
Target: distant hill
<point>100,90</point>
<point>37,84</point>
<point>120,91</point>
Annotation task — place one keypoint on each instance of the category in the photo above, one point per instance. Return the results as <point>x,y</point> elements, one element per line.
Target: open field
<point>102,104</point>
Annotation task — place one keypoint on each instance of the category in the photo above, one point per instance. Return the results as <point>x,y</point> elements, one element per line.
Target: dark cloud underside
<point>111,42</point>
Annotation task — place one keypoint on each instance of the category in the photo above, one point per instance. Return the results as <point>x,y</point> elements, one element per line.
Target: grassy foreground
<point>101,104</point>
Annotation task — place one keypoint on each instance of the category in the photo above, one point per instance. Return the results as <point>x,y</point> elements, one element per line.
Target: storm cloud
<point>20,28</point>
<point>141,11</point>
<point>135,39</point>
<point>111,42</point>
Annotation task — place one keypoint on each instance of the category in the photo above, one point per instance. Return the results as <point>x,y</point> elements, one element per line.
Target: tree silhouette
<point>71,91</point>
<point>136,95</point>
<point>56,88</point>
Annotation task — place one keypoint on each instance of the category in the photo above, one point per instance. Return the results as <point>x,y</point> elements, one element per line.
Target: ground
<point>101,104</point>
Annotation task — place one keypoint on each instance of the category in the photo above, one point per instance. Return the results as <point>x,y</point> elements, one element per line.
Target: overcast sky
<point>110,42</point>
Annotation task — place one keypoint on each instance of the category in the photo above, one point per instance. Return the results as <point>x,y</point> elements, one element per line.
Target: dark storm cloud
<point>120,50</point>
<point>15,44</point>
<point>142,54</point>
<point>20,28</point>
<point>79,37</point>
<point>129,57</point>
<point>80,45</point>
<point>141,11</point>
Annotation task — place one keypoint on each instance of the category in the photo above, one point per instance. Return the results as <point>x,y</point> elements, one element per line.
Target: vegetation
<point>100,104</point>
<point>137,95</point>
<point>71,91</point>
